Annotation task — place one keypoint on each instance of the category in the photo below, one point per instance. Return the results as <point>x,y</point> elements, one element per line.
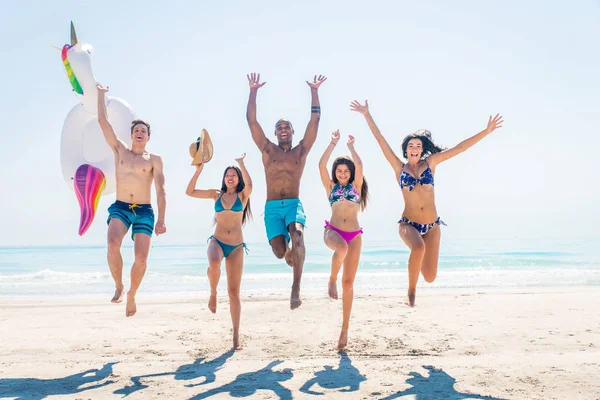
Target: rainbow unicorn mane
<point>74,82</point>
<point>89,183</point>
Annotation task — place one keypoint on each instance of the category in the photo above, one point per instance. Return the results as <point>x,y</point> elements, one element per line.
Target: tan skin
<point>344,215</point>
<point>136,169</point>
<point>419,204</point>
<point>228,229</point>
<point>284,165</point>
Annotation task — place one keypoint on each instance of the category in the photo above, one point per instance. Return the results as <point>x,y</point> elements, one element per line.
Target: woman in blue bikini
<point>232,209</point>
<point>347,192</point>
<point>420,223</point>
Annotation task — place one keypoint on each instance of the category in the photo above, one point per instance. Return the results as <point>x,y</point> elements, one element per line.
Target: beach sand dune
<point>525,344</point>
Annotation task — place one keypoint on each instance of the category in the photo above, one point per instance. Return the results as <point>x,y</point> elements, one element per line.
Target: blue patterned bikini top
<point>236,207</point>
<point>346,192</point>
<point>407,180</point>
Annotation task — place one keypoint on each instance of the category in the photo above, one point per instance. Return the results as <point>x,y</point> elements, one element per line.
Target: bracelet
<point>315,109</point>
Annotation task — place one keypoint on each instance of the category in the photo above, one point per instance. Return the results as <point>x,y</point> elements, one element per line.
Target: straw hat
<point>202,149</point>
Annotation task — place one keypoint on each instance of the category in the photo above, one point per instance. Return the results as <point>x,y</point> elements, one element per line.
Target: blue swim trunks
<point>140,216</point>
<point>280,213</point>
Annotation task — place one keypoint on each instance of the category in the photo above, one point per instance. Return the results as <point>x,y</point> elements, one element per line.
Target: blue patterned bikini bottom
<point>422,228</point>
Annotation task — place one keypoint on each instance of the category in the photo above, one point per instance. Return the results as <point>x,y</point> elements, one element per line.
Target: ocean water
<point>465,264</point>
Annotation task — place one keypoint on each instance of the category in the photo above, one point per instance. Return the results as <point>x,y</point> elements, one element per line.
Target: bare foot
<point>295,301</point>
<point>333,289</point>
<point>410,298</point>
<point>236,341</point>
<point>118,297</point>
<point>288,258</point>
<point>130,308</point>
<point>212,303</point>
<point>343,341</point>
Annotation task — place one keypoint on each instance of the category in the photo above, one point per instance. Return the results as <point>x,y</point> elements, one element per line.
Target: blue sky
<point>430,64</point>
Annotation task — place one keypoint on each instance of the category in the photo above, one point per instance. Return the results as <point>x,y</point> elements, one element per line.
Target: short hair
<point>284,120</point>
<point>138,122</point>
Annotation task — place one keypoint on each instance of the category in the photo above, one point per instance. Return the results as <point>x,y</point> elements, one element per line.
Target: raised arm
<point>315,114</point>
<point>246,176</point>
<point>389,154</point>
<point>197,193</point>
<point>325,178</point>
<point>161,193</point>
<point>258,135</point>
<point>493,124</point>
<point>107,129</point>
<point>358,166</point>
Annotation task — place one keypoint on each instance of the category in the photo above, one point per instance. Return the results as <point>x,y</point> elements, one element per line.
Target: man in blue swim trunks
<point>284,165</point>
<point>136,168</point>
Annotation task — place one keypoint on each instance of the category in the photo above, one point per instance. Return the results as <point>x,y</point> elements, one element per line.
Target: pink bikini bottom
<point>347,236</point>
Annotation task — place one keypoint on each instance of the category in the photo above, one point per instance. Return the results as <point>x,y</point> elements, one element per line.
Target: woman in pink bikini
<point>347,191</point>
<point>420,223</point>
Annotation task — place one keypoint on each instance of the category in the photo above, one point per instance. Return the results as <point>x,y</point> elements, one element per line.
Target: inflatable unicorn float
<point>88,163</point>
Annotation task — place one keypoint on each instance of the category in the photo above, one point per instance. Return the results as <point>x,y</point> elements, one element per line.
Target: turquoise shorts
<point>280,213</point>
<point>139,216</point>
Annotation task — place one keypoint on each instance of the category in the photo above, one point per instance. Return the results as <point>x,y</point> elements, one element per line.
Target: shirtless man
<point>135,170</point>
<point>284,164</point>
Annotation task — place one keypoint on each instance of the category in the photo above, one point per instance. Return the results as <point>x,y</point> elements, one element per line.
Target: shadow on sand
<point>437,385</point>
<point>186,372</point>
<point>248,383</point>
<point>34,389</point>
<point>345,376</point>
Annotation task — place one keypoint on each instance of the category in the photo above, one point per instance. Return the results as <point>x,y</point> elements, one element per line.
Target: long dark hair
<point>424,136</point>
<point>347,161</point>
<point>240,187</point>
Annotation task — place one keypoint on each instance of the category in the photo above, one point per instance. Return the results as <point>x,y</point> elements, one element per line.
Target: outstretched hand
<point>350,140</point>
<point>240,159</point>
<point>254,81</point>
<point>335,137</point>
<point>494,123</point>
<point>317,81</point>
<point>102,89</point>
<point>356,106</point>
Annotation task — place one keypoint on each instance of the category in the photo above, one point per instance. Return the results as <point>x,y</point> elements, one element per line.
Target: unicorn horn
<point>73,35</point>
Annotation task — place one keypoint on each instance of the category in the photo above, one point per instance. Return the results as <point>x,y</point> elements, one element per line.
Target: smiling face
<point>414,150</point>
<point>284,131</point>
<point>140,134</point>
<point>418,146</point>
<point>342,173</point>
<point>231,178</point>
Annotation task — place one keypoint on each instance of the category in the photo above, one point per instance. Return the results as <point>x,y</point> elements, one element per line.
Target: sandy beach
<point>518,344</point>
